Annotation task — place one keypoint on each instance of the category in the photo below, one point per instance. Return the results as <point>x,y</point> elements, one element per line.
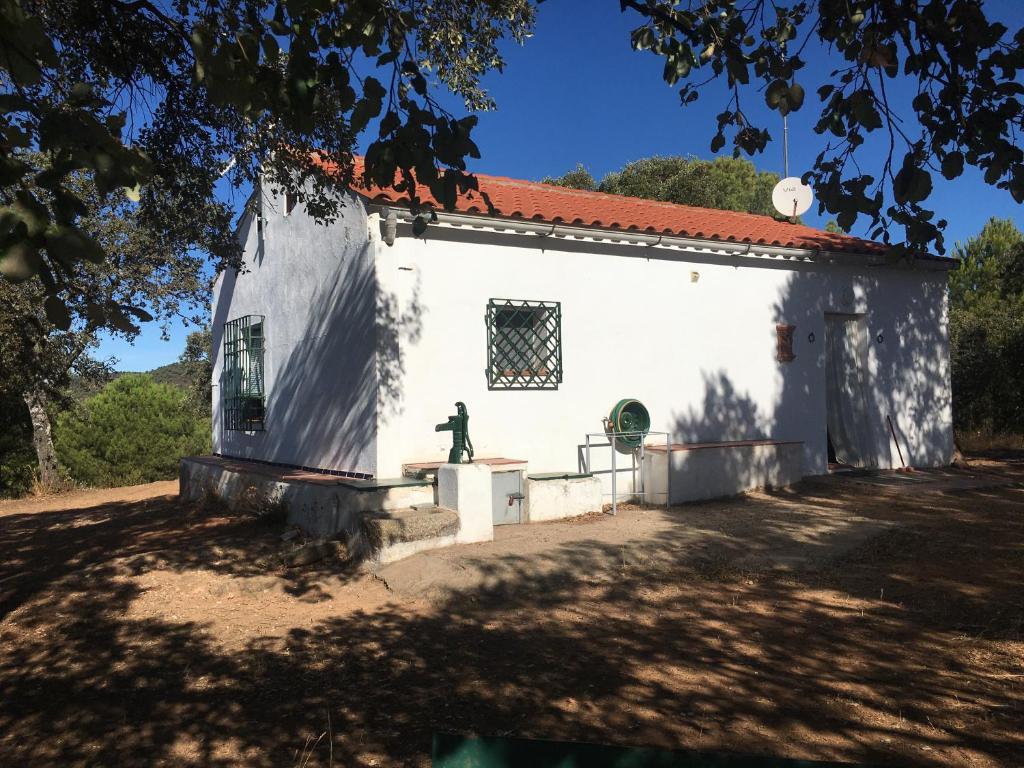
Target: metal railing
<point>638,456</point>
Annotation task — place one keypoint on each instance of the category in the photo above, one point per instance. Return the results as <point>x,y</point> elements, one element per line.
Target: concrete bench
<point>557,495</point>
<point>714,470</point>
<point>321,504</point>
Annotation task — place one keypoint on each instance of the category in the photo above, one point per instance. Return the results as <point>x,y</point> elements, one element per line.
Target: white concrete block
<point>719,471</point>
<point>560,498</point>
<point>466,488</point>
<point>403,549</point>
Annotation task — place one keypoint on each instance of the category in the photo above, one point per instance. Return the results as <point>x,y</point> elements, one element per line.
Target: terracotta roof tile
<point>519,199</point>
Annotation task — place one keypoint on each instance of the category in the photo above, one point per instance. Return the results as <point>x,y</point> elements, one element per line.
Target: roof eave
<point>640,237</point>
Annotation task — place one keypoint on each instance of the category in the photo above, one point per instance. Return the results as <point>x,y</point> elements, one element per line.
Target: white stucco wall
<point>315,286</point>
<point>700,355</point>
<point>370,345</point>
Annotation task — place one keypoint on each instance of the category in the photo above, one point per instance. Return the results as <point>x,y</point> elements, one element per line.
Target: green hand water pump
<point>458,425</point>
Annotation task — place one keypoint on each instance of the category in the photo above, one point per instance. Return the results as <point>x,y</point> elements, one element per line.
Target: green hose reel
<point>630,416</point>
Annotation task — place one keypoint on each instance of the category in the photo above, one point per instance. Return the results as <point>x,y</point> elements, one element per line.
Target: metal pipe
<point>643,476</point>
<point>785,147</point>
<point>668,470</point>
<point>615,498</point>
<point>632,471</point>
<point>611,437</point>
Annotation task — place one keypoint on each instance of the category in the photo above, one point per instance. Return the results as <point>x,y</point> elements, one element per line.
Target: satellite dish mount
<point>791,197</point>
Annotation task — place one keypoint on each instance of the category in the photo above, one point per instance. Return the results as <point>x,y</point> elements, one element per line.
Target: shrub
<point>986,330</point>
<point>17,456</point>
<point>134,431</point>
<point>988,372</point>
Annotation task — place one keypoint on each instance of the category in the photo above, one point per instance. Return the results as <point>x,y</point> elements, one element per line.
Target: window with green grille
<point>241,380</point>
<point>524,344</point>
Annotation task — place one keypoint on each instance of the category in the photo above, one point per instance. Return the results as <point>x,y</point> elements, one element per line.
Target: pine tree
<point>134,431</point>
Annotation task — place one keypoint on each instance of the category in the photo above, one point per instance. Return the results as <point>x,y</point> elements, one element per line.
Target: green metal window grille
<point>524,344</point>
<point>242,384</point>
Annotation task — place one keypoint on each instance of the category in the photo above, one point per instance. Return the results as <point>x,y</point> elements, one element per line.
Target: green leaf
<point>14,102</point>
<point>738,70</point>
<point>271,49</point>
<point>56,312</point>
<point>140,313</point>
<point>66,206</point>
<point>68,244</point>
<point>642,38</point>
<point>795,96</point>
<point>119,320</point>
<point>952,165</point>
<point>912,184</point>
<point>846,219</point>
<point>24,71</point>
<point>20,261</point>
<point>390,122</point>
<point>775,93</point>
<point>32,212</point>
<point>864,111</point>
<point>372,89</point>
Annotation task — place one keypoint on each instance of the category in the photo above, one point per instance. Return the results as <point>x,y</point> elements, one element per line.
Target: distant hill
<point>172,373</point>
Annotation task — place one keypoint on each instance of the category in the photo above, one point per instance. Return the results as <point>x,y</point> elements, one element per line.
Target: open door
<point>846,397</point>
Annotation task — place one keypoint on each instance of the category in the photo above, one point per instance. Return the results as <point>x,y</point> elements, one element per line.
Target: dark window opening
<point>242,381</point>
<point>524,344</point>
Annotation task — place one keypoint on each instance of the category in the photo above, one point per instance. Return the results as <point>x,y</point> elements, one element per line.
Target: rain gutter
<point>634,237</point>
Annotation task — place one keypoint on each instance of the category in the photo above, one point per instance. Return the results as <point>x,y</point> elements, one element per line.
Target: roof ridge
<point>523,198</point>
<point>646,200</point>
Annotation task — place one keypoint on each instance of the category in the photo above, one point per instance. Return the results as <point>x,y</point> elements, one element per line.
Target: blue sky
<point>576,92</point>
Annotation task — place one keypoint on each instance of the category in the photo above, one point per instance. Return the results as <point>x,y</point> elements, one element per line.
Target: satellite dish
<point>791,197</point>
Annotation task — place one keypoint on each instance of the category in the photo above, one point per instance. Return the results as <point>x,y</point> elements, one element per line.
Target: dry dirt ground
<point>869,620</point>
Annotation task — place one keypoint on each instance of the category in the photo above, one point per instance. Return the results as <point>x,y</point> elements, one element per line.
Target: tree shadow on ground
<point>695,654</point>
<point>42,549</point>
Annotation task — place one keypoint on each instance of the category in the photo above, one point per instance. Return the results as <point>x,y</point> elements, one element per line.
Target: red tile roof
<point>534,201</point>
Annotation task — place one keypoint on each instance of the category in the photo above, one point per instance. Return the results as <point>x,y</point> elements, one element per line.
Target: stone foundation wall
<point>320,510</point>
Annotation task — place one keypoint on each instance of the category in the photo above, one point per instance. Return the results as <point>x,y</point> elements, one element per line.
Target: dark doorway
<point>846,400</point>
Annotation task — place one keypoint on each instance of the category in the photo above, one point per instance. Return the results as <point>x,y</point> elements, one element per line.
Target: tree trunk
<point>42,438</point>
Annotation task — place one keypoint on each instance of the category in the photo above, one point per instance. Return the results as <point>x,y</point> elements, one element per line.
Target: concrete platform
<point>405,532</point>
<point>321,504</point>
<point>427,470</point>
<point>702,471</point>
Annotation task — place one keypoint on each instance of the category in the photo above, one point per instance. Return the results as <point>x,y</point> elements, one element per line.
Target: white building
<point>544,310</point>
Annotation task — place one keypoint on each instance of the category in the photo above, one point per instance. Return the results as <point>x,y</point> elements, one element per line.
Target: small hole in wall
<point>694,277</point>
<point>880,338</point>
<point>810,337</point>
